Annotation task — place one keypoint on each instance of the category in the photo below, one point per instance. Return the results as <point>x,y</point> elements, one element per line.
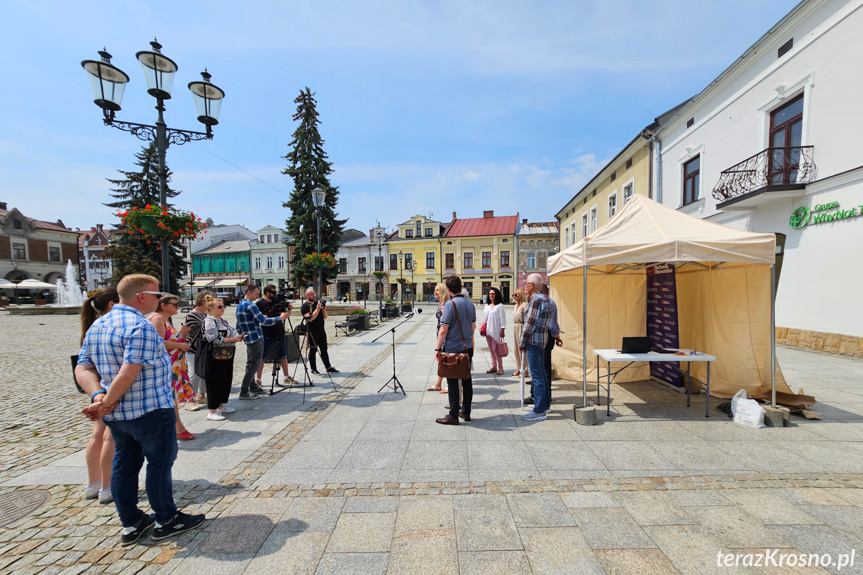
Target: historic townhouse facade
<point>269,258</point>
<point>356,261</point>
<point>417,240</point>
<point>535,243</point>
<point>482,252</point>
<point>222,268</point>
<point>773,145</point>
<point>94,268</point>
<point>33,249</point>
<point>630,172</point>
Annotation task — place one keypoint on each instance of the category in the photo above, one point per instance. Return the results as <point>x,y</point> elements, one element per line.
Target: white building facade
<point>773,145</point>
<point>356,260</point>
<point>269,258</point>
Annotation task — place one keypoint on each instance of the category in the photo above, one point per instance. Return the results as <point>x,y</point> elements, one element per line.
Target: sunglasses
<point>219,307</point>
<point>158,294</point>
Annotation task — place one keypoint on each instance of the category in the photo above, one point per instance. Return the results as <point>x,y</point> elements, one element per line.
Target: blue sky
<point>426,107</point>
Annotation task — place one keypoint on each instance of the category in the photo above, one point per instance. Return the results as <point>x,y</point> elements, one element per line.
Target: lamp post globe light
<point>108,83</point>
<point>318,197</point>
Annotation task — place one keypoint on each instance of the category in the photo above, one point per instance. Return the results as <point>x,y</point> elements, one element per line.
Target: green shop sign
<point>804,216</point>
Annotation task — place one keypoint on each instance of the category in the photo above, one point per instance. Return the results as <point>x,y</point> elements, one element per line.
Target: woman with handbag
<point>442,295</point>
<point>220,359</point>
<point>493,328</point>
<point>517,324</point>
<point>161,319</point>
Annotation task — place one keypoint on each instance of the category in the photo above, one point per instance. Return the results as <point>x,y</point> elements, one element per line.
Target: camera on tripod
<point>280,302</point>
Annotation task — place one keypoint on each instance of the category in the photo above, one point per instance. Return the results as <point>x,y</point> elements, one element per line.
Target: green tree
<point>137,189</point>
<point>125,260</point>
<point>309,168</point>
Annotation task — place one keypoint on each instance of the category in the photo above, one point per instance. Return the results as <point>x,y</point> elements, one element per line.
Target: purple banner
<point>662,319</point>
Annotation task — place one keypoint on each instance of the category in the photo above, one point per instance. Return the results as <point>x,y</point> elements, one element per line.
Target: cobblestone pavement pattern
<point>355,481</point>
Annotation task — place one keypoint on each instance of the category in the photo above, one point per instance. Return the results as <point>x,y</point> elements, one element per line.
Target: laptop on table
<point>640,345</point>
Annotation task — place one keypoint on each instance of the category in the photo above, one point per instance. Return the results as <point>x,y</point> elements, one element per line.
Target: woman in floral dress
<point>176,348</point>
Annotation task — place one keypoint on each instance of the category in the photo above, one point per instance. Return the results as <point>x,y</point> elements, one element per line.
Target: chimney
<point>488,214</point>
<point>524,221</point>
<point>99,228</point>
<point>372,234</point>
<point>453,215</point>
<point>3,206</point>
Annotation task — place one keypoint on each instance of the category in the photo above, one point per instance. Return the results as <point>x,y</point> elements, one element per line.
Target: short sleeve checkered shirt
<point>125,336</point>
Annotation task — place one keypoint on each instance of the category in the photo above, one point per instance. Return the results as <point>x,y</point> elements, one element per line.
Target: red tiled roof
<point>503,225</point>
<point>41,224</point>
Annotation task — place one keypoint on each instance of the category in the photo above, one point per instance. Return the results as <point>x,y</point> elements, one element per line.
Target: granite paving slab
<point>424,552</point>
<point>635,562</point>
<point>587,499</point>
<point>362,532</point>
<point>308,514</point>
<point>288,552</point>
<point>485,523</point>
<point>559,550</point>
<point>822,540</point>
<point>238,534</point>
<point>846,519</point>
<point>630,456</point>
<point>485,562</point>
<point>426,513</point>
<point>610,528</point>
<point>353,564</point>
<point>539,510</point>
<point>733,528</point>
<point>769,508</point>
<point>653,508</point>
<point>436,455</point>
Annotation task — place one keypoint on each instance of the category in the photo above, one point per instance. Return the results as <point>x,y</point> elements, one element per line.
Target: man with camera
<point>249,322</point>
<point>315,312</point>
<point>271,306</point>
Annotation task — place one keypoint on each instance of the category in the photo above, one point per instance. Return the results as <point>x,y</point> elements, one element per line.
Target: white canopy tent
<point>725,294</point>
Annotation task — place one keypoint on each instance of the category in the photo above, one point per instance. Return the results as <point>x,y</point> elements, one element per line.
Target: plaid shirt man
<point>250,319</point>
<point>125,336</point>
<point>536,318</point>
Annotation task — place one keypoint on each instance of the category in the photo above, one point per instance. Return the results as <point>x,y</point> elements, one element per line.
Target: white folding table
<point>616,356</point>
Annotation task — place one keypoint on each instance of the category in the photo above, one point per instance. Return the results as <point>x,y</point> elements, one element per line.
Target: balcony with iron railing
<point>773,169</point>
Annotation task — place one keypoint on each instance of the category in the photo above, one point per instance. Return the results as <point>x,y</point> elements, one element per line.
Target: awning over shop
<point>229,283</point>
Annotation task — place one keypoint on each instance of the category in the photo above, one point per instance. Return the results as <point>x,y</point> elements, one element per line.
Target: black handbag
<point>455,365</point>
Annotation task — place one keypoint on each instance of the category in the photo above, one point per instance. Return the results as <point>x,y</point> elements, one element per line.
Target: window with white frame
<point>584,231</point>
<point>257,262</point>
<point>269,262</point>
<point>531,259</point>
<point>275,238</point>
<point>281,261</point>
<point>628,190</point>
<point>262,238</point>
<point>691,180</point>
<point>612,205</point>
<point>572,232</point>
<point>566,236</point>
<point>593,219</point>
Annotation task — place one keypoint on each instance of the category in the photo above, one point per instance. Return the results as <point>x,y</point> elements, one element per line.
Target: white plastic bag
<point>746,411</point>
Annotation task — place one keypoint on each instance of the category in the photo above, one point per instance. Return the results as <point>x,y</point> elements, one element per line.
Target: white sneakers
<point>215,416</point>
<point>534,416</point>
<point>91,491</point>
<point>225,409</point>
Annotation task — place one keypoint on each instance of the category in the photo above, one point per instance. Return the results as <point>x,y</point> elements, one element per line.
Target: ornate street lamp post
<point>379,237</point>
<point>108,84</point>
<point>401,279</point>
<point>413,267</point>
<point>318,197</point>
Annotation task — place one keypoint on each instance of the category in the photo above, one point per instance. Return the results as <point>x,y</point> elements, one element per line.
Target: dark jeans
<point>467,389</point>
<point>548,349</point>
<point>318,342</point>
<point>536,358</point>
<point>254,354</point>
<point>151,437</point>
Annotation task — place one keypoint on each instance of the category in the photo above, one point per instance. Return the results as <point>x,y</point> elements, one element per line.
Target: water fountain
<point>70,297</point>
<point>69,293</point>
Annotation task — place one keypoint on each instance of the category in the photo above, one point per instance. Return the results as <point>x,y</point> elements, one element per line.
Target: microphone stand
<point>397,385</point>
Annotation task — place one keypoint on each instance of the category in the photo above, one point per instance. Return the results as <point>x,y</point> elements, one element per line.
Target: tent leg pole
<point>584,342</point>
<point>773,335</point>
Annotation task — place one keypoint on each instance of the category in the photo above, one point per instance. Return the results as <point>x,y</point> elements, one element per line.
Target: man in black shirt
<point>273,335</point>
<point>315,313</point>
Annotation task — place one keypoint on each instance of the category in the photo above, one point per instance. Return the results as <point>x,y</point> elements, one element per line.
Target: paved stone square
<point>350,480</point>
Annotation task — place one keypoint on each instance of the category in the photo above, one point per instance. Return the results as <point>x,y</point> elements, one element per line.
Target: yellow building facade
<point>630,172</point>
<point>604,195</point>
<point>482,252</point>
<point>417,241</point>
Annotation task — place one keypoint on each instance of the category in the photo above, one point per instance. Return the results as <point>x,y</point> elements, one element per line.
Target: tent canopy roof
<point>648,232</point>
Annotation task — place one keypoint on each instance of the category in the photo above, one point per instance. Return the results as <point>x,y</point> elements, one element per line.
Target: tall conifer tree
<point>309,168</point>
<point>137,189</point>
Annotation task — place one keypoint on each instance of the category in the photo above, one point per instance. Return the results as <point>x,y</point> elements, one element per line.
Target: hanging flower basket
<point>379,275</point>
<point>162,222</point>
<point>324,260</point>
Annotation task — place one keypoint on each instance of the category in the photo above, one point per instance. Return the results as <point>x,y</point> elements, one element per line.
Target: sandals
<point>432,388</point>
<point>492,370</point>
<point>517,373</point>
<point>444,391</point>
<point>186,435</point>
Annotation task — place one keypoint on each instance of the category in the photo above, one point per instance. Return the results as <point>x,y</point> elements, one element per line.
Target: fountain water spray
<point>69,293</point>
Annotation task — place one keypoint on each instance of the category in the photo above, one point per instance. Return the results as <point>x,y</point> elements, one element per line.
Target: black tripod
<point>397,385</point>
<point>308,341</point>
<point>276,360</point>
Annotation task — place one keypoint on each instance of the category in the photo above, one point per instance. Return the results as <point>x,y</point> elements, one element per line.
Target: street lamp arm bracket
<point>147,133</point>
